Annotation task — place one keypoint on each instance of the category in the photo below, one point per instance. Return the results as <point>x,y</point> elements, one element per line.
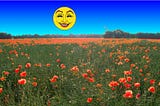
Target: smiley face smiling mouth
<point>64,24</point>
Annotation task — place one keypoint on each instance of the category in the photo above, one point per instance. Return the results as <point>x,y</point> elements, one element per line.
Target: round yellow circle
<point>64,18</point>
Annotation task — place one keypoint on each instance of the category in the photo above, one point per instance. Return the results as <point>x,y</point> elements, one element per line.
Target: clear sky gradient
<point>93,17</point>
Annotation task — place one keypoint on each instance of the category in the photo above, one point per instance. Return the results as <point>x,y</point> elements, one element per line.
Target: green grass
<point>67,90</point>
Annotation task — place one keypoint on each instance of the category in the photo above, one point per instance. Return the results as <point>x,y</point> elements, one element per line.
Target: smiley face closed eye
<point>69,16</point>
<point>64,18</point>
<point>59,16</point>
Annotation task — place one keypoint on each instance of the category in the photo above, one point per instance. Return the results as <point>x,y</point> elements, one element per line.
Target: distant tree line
<point>108,34</point>
<point>5,36</point>
<point>9,36</point>
<point>121,34</point>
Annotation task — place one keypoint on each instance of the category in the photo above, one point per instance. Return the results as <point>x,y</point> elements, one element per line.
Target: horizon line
<point>78,34</point>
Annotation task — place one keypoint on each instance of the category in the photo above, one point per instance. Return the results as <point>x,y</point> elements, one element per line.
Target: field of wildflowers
<point>79,72</point>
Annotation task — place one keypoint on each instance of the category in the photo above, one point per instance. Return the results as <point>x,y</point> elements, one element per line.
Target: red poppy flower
<point>22,81</point>
<point>122,80</point>
<point>128,94</point>
<point>91,80</point>
<point>28,65</point>
<point>107,70</point>
<point>140,70</point>
<point>83,88</point>
<point>58,60</point>
<point>137,85</point>
<point>127,85</point>
<point>1,90</point>
<point>113,84</point>
<point>132,65</point>
<point>34,84</point>
<point>85,75</point>
<point>127,60</point>
<point>75,69</point>
<point>23,74</point>
<point>2,79</point>
<point>152,89</point>
<point>54,78</point>
<point>89,71</point>
<point>62,66</point>
<point>48,65</point>
<point>19,66</point>
<point>17,70</point>
<point>138,96</point>
<point>89,100</point>
<point>152,81</point>
<point>6,73</point>
<point>127,72</point>
<point>129,79</point>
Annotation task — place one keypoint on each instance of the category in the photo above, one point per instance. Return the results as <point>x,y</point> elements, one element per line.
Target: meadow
<point>79,72</point>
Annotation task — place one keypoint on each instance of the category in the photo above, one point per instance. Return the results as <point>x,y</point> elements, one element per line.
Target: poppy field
<point>79,72</point>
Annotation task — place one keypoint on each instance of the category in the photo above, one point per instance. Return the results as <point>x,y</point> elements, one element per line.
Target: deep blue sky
<point>93,17</point>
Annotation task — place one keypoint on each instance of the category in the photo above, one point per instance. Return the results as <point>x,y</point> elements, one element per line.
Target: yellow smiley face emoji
<point>64,18</point>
